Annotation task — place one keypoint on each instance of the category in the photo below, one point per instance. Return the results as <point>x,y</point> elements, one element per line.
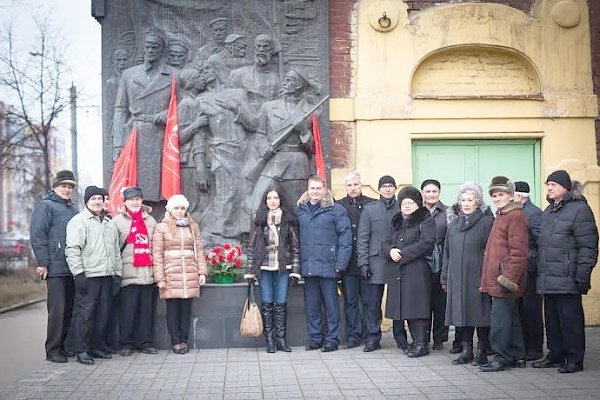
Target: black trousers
<point>506,335</point>
<point>531,317</point>
<point>565,327</point>
<point>61,293</point>
<point>354,288</point>
<point>178,319</point>
<point>136,315</point>
<point>438,310</point>
<point>90,317</point>
<point>373,316</point>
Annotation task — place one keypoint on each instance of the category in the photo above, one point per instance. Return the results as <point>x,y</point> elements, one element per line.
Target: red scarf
<point>138,235</point>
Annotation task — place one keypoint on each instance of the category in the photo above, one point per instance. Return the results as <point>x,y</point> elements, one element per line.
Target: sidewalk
<point>254,374</point>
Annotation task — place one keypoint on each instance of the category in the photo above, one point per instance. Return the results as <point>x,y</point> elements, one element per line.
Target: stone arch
<point>476,71</point>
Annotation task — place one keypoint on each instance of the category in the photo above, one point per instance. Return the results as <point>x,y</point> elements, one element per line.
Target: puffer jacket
<point>178,260</point>
<point>48,233</point>
<point>567,244</point>
<point>134,275</point>
<point>325,238</point>
<point>506,253</point>
<point>93,246</point>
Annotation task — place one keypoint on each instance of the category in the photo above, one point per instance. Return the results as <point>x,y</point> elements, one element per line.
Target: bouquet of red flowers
<point>225,261</point>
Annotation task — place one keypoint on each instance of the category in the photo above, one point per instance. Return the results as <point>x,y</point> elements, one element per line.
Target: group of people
<point>100,269</point>
<point>459,265</point>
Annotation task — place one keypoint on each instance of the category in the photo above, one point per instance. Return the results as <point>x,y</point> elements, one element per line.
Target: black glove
<point>294,281</point>
<point>116,285</point>
<point>584,287</point>
<point>365,272</point>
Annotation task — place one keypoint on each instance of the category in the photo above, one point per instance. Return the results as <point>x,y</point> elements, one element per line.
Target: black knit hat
<point>132,192</point>
<point>501,184</point>
<point>386,180</point>
<point>522,187</point>
<point>412,193</point>
<point>561,177</point>
<point>64,177</point>
<point>93,191</point>
<point>431,182</point>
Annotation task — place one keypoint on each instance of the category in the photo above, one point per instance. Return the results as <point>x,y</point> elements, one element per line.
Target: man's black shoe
<point>312,346</point>
<point>85,358</point>
<point>67,353</point>
<point>101,354</point>
<point>149,350</point>
<point>57,358</point>
<point>492,366</point>
<point>328,348</point>
<point>569,368</point>
<point>350,344</point>
<point>438,346</point>
<point>455,350</point>
<point>548,362</point>
<point>371,346</point>
<point>519,363</point>
<point>125,352</point>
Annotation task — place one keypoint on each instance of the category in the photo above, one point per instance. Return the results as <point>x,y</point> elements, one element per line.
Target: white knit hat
<point>177,200</point>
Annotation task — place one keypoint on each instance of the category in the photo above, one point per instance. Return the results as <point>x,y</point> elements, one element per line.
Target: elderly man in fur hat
<point>503,276</point>
<point>567,253</point>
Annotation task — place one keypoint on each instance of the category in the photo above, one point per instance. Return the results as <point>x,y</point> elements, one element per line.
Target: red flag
<point>319,160</point>
<point>124,173</point>
<point>170,173</point>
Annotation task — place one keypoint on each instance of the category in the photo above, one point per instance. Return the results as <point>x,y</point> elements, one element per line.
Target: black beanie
<point>386,180</point>
<point>522,187</point>
<point>132,192</point>
<point>501,184</point>
<point>431,182</point>
<point>561,177</point>
<point>93,191</point>
<point>412,193</point>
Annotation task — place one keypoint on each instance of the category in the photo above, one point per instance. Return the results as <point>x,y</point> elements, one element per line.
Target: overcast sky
<point>72,23</point>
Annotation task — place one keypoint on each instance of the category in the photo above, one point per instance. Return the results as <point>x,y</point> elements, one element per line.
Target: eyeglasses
<point>408,203</point>
<point>387,186</point>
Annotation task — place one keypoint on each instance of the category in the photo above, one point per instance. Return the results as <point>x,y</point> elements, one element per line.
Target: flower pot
<point>223,278</point>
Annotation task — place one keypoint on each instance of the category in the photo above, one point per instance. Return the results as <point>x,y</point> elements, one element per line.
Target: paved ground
<point>253,374</point>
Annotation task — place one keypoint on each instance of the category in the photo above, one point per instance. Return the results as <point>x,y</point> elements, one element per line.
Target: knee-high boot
<point>420,343</point>
<point>268,331</point>
<point>281,327</point>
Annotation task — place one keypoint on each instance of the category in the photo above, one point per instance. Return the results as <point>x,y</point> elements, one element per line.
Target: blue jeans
<point>274,286</point>
<point>317,291</point>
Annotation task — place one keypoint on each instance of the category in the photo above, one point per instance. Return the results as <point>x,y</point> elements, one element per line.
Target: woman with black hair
<point>273,258</point>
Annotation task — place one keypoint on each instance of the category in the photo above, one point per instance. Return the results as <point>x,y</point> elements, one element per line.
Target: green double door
<point>453,162</point>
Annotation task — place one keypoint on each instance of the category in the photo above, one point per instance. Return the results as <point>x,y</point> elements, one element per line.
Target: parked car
<point>13,248</point>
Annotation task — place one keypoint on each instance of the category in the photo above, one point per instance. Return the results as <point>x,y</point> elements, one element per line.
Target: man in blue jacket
<point>48,232</point>
<point>325,249</point>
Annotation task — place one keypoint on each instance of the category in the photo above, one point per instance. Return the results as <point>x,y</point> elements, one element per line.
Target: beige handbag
<point>251,322</point>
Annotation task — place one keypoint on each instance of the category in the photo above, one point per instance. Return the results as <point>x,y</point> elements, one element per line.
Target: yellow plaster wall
<point>395,65</point>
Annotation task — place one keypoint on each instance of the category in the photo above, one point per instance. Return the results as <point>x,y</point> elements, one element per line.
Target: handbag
<point>251,322</point>
<point>434,259</point>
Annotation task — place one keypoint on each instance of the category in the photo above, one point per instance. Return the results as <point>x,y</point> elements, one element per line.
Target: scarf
<point>138,235</point>
<point>273,221</point>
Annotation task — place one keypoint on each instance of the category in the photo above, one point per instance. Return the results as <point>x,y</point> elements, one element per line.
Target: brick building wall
<point>342,34</point>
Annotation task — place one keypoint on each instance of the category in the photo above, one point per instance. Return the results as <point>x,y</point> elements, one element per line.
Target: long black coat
<point>567,245</point>
<point>464,246</point>
<point>409,281</point>
<point>376,227</point>
<point>354,207</point>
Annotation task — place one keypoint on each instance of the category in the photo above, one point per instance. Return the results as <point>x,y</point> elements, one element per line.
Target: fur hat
<point>562,178</point>
<point>132,192</point>
<point>64,177</point>
<point>409,192</point>
<point>386,180</point>
<point>471,187</point>
<point>501,184</point>
<point>522,187</point>
<point>93,191</point>
<point>431,182</point>
<point>177,200</point>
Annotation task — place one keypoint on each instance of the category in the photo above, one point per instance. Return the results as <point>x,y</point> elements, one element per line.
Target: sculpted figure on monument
<point>260,80</point>
<point>177,52</point>
<point>232,57</point>
<point>142,98</point>
<point>219,28</point>
<point>287,141</point>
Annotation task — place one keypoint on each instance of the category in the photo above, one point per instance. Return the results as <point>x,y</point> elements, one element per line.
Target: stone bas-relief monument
<point>249,75</point>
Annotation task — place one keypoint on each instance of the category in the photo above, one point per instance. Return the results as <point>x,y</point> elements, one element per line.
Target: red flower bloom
<point>238,263</point>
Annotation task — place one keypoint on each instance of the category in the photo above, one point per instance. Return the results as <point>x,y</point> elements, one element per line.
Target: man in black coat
<point>353,286</point>
<point>531,305</point>
<point>48,232</point>
<point>567,253</point>
<point>375,227</point>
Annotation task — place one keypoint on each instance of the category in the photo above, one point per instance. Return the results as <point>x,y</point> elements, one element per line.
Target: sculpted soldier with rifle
<point>284,126</point>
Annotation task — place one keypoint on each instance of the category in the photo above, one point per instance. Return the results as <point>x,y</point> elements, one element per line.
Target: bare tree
<point>35,85</point>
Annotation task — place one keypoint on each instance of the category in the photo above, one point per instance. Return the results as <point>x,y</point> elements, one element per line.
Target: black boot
<point>456,343</point>
<point>466,355</point>
<point>268,327</point>
<point>420,343</point>
<point>280,327</point>
<point>483,346</point>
